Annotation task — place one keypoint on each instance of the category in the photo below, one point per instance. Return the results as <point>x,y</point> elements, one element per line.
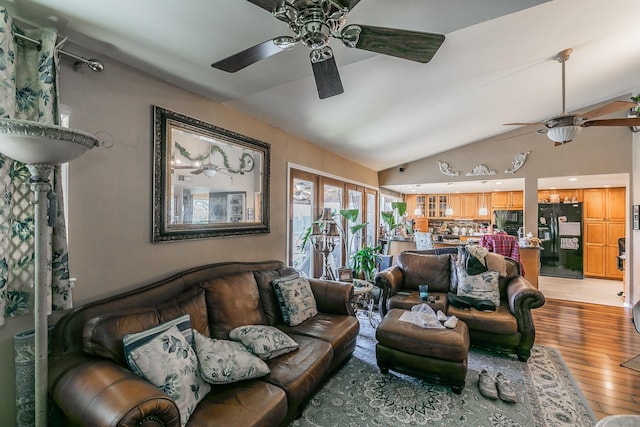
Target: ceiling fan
<point>314,23</point>
<point>209,169</point>
<point>563,128</point>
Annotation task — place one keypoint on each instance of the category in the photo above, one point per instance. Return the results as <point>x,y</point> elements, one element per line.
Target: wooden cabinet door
<point>594,260</point>
<point>595,232</point>
<point>517,200</point>
<point>432,206</point>
<point>500,200</point>
<point>616,204</point>
<point>611,262</point>
<point>594,207</point>
<point>455,203</point>
<point>411,200</point>
<point>469,204</point>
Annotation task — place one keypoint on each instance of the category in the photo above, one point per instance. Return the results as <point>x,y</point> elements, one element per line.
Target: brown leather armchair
<point>509,329</point>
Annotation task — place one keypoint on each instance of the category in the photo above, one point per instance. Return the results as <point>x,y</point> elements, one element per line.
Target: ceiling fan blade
<point>523,124</point>
<point>240,60</point>
<point>197,171</point>
<point>348,3</point>
<point>268,5</point>
<point>612,107</point>
<point>405,44</point>
<point>327,77</point>
<point>629,121</point>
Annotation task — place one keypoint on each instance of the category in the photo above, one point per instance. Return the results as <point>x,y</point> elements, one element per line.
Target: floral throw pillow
<point>483,286</point>
<point>168,362</point>
<point>296,300</point>
<point>224,361</point>
<point>264,341</point>
<point>423,240</point>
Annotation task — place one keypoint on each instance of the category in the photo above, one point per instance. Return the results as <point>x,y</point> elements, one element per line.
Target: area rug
<point>359,395</point>
<point>633,363</point>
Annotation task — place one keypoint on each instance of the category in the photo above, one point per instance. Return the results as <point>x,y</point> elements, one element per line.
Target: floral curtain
<point>28,91</point>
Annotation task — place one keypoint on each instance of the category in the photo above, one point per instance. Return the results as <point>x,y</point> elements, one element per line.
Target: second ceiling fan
<point>563,128</point>
<point>314,22</point>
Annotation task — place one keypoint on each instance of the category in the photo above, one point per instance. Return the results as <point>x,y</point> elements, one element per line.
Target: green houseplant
<point>389,217</point>
<point>365,261</point>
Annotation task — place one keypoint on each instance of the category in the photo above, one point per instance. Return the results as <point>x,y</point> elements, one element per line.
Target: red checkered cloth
<point>503,244</point>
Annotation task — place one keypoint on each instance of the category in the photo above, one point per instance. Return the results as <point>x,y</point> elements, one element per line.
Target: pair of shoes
<point>466,303</point>
<point>487,385</point>
<point>506,391</point>
<point>451,322</point>
<point>498,387</point>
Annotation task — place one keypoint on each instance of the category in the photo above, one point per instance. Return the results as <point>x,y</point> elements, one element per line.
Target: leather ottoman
<point>435,355</point>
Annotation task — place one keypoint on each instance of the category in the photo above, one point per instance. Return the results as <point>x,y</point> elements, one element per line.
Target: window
<point>309,194</point>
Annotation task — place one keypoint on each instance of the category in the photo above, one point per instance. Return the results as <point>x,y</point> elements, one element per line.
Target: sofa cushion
<point>483,286</point>
<point>421,269</point>
<point>233,301</point>
<point>224,361</point>
<point>169,363</point>
<point>270,305</point>
<point>102,335</point>
<point>264,341</point>
<point>190,302</point>
<point>296,300</point>
<point>500,321</point>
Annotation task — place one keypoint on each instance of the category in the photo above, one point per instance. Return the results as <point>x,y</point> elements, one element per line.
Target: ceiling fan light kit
<point>565,127</point>
<point>314,23</point>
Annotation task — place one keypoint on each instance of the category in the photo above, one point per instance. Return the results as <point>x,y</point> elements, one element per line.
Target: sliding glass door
<point>302,214</point>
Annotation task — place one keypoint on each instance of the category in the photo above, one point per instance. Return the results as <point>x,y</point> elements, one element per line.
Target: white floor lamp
<point>41,146</point>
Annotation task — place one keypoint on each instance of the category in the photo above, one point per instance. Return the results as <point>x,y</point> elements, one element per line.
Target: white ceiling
<point>494,67</point>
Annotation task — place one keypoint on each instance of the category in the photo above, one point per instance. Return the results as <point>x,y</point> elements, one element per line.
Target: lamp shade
<point>449,211</point>
<point>333,230</point>
<point>563,134</point>
<point>315,229</point>
<point>482,211</point>
<point>417,211</point>
<point>210,172</point>
<point>326,214</point>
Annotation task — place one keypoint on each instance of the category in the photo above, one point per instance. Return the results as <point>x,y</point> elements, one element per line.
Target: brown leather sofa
<point>90,382</point>
<point>509,329</point>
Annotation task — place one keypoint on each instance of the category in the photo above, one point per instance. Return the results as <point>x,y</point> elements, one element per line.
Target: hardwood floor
<point>594,340</point>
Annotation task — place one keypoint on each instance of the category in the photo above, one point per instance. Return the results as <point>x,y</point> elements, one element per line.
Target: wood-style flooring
<point>594,340</point>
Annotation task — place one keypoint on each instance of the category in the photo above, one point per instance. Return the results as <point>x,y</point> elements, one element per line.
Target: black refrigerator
<point>560,229</point>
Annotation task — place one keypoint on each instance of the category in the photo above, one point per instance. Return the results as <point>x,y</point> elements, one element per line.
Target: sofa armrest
<point>98,392</point>
<point>523,297</point>
<point>390,281</point>
<point>333,297</point>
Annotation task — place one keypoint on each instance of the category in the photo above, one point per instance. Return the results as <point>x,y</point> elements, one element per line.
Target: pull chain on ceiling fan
<point>563,128</point>
<point>314,22</point>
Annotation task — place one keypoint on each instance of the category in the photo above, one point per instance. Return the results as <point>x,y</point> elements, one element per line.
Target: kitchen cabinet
<point>417,201</point>
<point>469,206</point>
<point>455,203</point>
<point>507,200</point>
<point>604,223</point>
<point>437,205</point>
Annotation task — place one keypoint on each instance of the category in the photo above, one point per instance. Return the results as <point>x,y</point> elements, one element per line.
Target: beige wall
<point>110,191</point>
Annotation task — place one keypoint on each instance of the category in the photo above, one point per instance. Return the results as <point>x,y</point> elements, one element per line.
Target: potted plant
<point>389,217</point>
<point>365,261</point>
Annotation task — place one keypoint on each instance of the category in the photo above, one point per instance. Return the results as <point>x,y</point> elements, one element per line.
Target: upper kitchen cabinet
<point>437,205</point>
<point>573,195</point>
<point>507,200</point>
<point>469,206</point>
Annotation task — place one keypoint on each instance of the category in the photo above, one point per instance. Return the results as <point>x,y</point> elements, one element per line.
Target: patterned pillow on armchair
<point>423,240</point>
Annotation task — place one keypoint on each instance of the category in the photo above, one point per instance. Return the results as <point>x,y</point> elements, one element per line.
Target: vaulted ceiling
<point>494,67</point>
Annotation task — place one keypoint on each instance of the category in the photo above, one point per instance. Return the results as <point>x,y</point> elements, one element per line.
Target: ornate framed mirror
<point>207,181</point>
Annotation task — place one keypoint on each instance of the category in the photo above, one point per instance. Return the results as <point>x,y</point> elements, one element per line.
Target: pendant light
<point>483,208</point>
<point>449,210</point>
